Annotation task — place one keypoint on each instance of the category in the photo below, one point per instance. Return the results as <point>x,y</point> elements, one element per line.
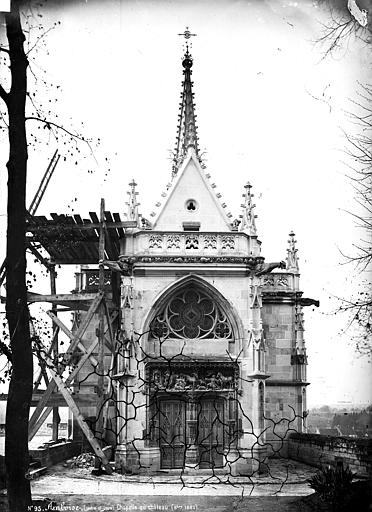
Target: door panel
<point>172,434</point>
<point>210,434</point>
<point>209,427</point>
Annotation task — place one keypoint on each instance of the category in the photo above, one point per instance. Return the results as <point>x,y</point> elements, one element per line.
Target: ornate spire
<point>248,224</point>
<point>132,204</point>
<point>292,258</point>
<point>187,129</point>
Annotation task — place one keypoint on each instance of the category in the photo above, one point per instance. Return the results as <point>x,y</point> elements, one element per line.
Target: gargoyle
<point>266,268</point>
<point>309,302</point>
<point>118,266</point>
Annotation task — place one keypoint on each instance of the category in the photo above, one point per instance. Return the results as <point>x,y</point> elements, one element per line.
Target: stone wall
<point>55,453</point>
<point>320,451</point>
<point>279,335</point>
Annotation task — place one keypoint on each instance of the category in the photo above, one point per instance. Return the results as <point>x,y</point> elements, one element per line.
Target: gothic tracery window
<point>191,314</point>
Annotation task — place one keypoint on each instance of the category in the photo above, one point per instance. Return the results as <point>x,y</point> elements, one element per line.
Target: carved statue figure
<point>168,379</point>
<point>225,382</point>
<point>146,224</point>
<point>212,382</point>
<point>235,224</point>
<point>265,268</point>
<point>157,380</point>
<point>192,381</point>
<point>180,382</point>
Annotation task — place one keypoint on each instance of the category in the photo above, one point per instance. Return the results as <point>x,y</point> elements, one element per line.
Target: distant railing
<point>279,281</point>
<point>88,280</point>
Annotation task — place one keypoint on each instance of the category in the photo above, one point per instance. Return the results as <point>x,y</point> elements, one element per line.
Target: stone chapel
<point>213,372</point>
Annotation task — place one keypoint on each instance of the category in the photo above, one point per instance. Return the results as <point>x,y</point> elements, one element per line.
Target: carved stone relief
<point>155,242</point>
<point>192,242</point>
<point>282,281</point>
<point>173,242</point>
<point>210,242</point>
<point>227,242</point>
<point>192,380</point>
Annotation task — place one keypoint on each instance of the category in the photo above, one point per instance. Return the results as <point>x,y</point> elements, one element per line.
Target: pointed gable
<point>192,200</point>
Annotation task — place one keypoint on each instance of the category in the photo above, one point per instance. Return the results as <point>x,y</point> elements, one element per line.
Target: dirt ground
<point>119,503</point>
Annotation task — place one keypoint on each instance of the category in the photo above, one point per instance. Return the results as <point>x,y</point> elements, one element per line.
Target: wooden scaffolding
<point>71,240</point>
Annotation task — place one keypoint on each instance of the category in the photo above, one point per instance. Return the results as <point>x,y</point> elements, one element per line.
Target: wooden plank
<point>111,247</point>
<point>118,225</point>
<point>82,423</point>
<point>101,324</point>
<point>78,219</point>
<point>68,333</point>
<point>53,290</point>
<point>57,400</point>
<point>95,219</point>
<point>92,245</point>
<point>38,256</point>
<point>112,238</point>
<point>60,298</point>
<point>49,224</point>
<point>58,217</point>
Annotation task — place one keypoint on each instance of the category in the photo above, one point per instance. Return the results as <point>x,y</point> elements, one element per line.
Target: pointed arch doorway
<point>192,380</point>
<point>196,424</point>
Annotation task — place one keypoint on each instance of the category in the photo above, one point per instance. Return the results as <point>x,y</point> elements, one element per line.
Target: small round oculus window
<point>191,205</point>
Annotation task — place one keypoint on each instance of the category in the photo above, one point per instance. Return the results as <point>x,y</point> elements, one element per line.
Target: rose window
<point>191,314</point>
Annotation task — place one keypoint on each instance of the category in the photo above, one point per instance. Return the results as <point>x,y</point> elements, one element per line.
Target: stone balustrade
<point>189,243</point>
<point>278,281</point>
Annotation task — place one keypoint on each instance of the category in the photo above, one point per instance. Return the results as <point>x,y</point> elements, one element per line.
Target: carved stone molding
<point>251,262</point>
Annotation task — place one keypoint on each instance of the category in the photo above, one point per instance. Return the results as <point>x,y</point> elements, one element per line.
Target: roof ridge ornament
<point>132,212</point>
<point>248,224</point>
<point>292,258</point>
<point>187,136</point>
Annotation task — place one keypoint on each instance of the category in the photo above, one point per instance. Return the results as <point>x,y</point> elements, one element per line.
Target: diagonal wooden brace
<point>68,333</point>
<point>80,419</point>
<point>33,429</point>
<point>68,356</point>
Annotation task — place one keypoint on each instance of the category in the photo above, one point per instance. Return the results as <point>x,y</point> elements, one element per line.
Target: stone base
<point>192,458</point>
<point>242,465</point>
<point>143,460</point>
<point>231,459</point>
<point>259,460</point>
<point>146,460</point>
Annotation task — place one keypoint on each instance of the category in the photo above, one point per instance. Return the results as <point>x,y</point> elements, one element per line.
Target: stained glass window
<point>191,314</point>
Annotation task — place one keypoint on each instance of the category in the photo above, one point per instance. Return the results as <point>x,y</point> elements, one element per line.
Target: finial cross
<point>187,34</point>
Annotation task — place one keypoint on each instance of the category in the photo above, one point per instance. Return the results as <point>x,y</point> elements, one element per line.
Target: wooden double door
<point>184,424</point>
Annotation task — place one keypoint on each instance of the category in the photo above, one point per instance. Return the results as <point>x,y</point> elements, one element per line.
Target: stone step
<point>35,473</point>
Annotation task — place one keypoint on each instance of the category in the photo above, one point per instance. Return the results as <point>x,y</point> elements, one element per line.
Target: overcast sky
<point>257,72</point>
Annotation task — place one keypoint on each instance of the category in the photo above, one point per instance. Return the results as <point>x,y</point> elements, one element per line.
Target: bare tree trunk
<point>20,388</point>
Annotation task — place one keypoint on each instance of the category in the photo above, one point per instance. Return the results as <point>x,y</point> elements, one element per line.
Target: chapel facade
<point>213,371</point>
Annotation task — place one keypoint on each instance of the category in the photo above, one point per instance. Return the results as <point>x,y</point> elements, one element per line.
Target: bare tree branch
<point>4,95</point>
